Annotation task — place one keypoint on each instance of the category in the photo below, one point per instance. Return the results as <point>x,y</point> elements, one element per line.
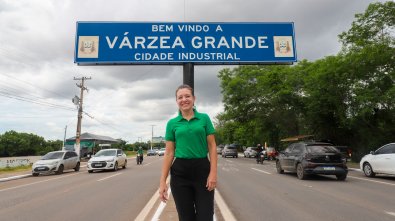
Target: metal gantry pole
<point>188,74</point>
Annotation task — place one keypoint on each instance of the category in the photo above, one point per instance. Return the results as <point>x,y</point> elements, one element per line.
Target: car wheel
<point>368,170</point>
<point>124,165</point>
<point>341,177</point>
<point>35,174</point>
<point>77,167</point>
<point>90,171</point>
<point>300,172</point>
<point>115,166</point>
<point>278,167</point>
<point>237,156</point>
<point>60,169</point>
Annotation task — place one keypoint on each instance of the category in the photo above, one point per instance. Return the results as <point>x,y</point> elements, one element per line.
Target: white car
<point>380,161</point>
<point>161,151</point>
<point>107,159</point>
<point>250,152</point>
<point>56,162</point>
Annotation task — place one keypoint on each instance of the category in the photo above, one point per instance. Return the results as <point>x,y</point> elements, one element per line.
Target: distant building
<point>158,139</point>
<point>88,142</point>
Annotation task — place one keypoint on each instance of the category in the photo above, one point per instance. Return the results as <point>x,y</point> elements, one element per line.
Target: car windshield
<point>52,156</point>
<point>106,153</point>
<point>321,149</point>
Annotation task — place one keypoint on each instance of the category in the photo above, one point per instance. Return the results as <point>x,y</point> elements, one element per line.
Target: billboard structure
<point>117,43</point>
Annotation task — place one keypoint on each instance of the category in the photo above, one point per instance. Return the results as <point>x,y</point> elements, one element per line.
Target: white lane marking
<point>390,213</point>
<point>147,208</point>
<point>225,211</point>
<point>260,170</point>
<point>160,209</point>
<point>29,184</point>
<point>375,181</point>
<point>109,177</point>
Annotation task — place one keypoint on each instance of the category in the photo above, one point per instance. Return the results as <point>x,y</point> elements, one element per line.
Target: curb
<point>14,177</point>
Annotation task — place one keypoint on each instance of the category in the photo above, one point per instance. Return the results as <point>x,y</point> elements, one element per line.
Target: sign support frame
<point>188,70</point>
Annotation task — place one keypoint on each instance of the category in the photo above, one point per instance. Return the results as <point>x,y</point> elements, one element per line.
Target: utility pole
<point>64,139</point>
<point>152,134</point>
<point>78,134</point>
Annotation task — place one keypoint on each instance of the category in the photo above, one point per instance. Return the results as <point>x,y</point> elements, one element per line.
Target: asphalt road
<point>119,195</point>
<point>250,192</point>
<point>257,192</point>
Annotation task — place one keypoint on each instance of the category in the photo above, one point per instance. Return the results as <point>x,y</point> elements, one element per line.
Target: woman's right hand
<point>163,196</point>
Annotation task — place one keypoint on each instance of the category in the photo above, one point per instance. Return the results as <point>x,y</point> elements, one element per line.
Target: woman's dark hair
<point>185,86</point>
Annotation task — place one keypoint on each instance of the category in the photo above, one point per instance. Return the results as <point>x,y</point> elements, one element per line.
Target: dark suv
<point>309,157</point>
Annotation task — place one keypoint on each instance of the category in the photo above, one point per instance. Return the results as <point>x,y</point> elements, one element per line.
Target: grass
<point>16,169</point>
<point>352,164</point>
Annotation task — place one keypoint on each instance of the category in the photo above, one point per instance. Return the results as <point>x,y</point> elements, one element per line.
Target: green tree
<point>369,47</point>
<point>13,143</point>
<point>261,104</point>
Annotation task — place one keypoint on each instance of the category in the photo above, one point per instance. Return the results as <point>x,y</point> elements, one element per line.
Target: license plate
<point>329,168</point>
<point>97,165</point>
<point>40,168</point>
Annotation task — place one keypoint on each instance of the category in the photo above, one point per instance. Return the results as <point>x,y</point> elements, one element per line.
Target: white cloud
<point>37,54</point>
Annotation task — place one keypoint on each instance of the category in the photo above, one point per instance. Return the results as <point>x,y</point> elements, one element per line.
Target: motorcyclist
<point>140,154</point>
<point>259,150</point>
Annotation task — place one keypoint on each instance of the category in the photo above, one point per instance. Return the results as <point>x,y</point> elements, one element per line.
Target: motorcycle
<point>260,158</point>
<point>139,159</point>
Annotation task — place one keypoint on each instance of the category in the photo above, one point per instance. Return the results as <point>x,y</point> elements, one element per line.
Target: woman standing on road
<point>189,139</point>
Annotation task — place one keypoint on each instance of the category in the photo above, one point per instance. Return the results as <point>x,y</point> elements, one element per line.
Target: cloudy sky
<point>37,67</point>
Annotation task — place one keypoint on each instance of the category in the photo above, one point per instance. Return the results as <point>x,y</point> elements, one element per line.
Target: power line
<point>42,103</point>
<point>32,85</point>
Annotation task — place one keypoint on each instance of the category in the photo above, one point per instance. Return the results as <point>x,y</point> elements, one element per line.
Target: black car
<point>311,157</point>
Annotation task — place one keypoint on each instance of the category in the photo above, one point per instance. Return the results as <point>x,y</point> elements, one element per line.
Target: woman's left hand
<point>211,182</point>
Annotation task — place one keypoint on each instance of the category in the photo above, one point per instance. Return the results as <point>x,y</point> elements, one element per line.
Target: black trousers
<point>188,185</point>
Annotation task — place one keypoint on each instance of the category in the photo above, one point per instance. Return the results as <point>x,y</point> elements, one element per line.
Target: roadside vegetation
<point>348,98</point>
<point>16,169</point>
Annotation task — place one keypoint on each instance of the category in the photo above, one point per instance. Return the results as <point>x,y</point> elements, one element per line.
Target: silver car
<point>56,162</point>
<point>230,150</point>
<point>107,159</point>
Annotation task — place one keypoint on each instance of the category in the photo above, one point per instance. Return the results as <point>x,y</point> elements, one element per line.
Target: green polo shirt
<point>190,137</point>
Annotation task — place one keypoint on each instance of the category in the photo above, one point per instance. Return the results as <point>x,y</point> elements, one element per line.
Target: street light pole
<point>64,139</point>
<point>152,134</point>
